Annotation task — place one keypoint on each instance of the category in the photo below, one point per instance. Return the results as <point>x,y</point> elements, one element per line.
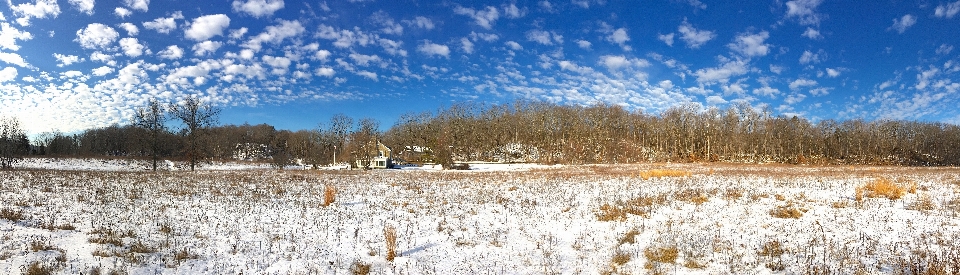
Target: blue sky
<point>70,65</point>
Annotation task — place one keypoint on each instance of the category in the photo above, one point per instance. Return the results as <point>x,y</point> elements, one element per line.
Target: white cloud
<point>280,64</point>
<point>666,38</point>
<point>384,20</point>
<point>131,47</point>
<point>514,45</point>
<point>901,24</point>
<point>693,37</point>
<point>833,72</point>
<point>96,36</point>
<point>812,33</point>
<point>620,37</point>
<point>257,8</point>
<point>39,9</point>
<point>420,22</point>
<point>364,60</point>
<point>9,36</point>
<point>8,74</point>
<point>544,37</point>
<point>434,49</point>
<point>367,74</point>
<point>484,18</point>
<point>697,4</point>
<point>776,69</point>
<point>617,62</point>
<point>734,88</point>
<point>84,6</point>
<point>809,57</point>
<point>171,52</point>
<point>325,71</point>
<point>322,55</point>
<point>164,24</point>
<point>794,99</point>
<point>944,49</point>
<point>804,11</point>
<point>206,47</point>
<point>766,91</point>
<point>750,45</point>
<point>546,6</point>
<point>102,71</point>
<point>15,59</point>
<point>121,12</point>
<point>513,12</point>
<point>802,82</point>
<point>466,45</point>
<point>207,26</point>
<point>131,29</point>
<point>238,33</point>
<point>141,5</point>
<point>723,73</point>
<point>948,10</point>
<point>489,37</point>
<point>275,34</point>
<point>583,44</point>
<point>715,100</point>
<point>66,60</point>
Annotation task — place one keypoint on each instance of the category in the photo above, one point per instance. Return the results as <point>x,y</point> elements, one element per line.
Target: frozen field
<point>630,219</point>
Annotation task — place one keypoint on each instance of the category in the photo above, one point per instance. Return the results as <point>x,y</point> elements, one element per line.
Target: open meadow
<point>603,219</point>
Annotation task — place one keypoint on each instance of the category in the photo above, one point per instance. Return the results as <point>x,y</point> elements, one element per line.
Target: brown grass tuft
<point>881,187</point>
<point>630,237</point>
<point>390,235</point>
<point>666,254</point>
<point>788,211</point>
<point>329,195</point>
<point>620,258</point>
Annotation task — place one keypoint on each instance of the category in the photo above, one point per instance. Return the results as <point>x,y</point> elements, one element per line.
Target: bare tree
<point>151,118</point>
<point>196,117</point>
<point>13,142</point>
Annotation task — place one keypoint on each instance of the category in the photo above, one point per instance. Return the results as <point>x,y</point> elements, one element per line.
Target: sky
<point>71,65</point>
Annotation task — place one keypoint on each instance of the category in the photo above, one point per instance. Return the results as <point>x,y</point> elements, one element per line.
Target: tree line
<point>518,132</point>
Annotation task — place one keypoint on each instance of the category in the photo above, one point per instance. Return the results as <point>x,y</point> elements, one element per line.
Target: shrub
<point>329,195</point>
<point>880,187</point>
<point>390,235</point>
<point>11,214</point>
<point>611,213</point>
<point>788,211</point>
<point>36,268</point>
<point>359,268</point>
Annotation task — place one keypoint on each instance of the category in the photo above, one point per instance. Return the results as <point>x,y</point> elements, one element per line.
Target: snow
<point>496,218</point>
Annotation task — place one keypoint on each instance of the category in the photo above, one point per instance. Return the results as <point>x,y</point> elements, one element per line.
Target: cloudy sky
<point>70,65</point>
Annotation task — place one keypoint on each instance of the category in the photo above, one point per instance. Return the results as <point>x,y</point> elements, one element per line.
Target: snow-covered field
<point>696,219</point>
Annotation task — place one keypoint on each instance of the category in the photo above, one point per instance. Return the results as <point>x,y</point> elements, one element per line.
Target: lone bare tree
<point>13,142</point>
<point>197,117</point>
<point>151,118</point>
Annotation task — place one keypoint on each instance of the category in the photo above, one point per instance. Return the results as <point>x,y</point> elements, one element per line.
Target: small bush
<point>923,203</point>
<point>329,195</point>
<point>359,268</point>
<point>657,173</point>
<point>36,268</point>
<point>881,187</point>
<point>771,249</point>
<point>788,211</point>
<point>620,258</point>
<point>666,255</point>
<point>390,235</point>
<point>609,213</point>
<point>459,166</point>
<point>13,215</point>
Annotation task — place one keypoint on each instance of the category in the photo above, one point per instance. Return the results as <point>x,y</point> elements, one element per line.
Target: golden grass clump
<point>660,173</point>
<point>665,255</point>
<point>329,195</point>
<point>390,235</point>
<point>882,188</point>
<point>788,211</point>
<point>609,213</point>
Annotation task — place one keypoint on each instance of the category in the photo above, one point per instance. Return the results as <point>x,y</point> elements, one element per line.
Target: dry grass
<point>883,188</point>
<point>37,268</point>
<point>630,237</point>
<point>390,235</point>
<point>359,268</point>
<point>771,249</point>
<point>329,195</point>
<point>659,173</point>
<point>620,258</point>
<point>664,254</point>
<point>13,215</point>
<point>788,211</point>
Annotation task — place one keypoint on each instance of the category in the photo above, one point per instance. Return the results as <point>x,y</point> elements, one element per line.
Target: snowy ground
<point>721,219</point>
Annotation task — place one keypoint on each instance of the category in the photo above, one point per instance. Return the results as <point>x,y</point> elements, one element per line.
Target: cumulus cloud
<point>420,22</point>
<point>466,45</point>
<point>171,52</point>
<point>694,37</point>
<point>371,75</point>
<point>140,5</point>
<point>544,37</point>
<point>275,34</point>
<point>766,91</point>
<point>66,60</point>
<point>325,71</point>
<point>618,62</point>
<point>666,38</point>
<point>131,29</point>
<point>96,36</point>
<point>8,74</point>
<point>164,24</point>
<point>833,72</point>
<point>584,44</point>
<point>484,18</point>
<point>809,57</point>
<point>723,73</point>
<point>207,26</point>
<point>122,12</point>
<point>750,45</point>
<point>812,33</point>
<point>15,59</point>
<point>431,49</point>
<point>206,47</point>
<point>9,36</point>
<point>257,8</point>
<point>947,10</point>
<point>84,6</point>
<point>513,12</point>
<point>513,45</point>
<point>901,24</point>
<point>131,47</point>
<point>802,82</point>
<point>389,26</point>
<point>102,71</point>
<point>804,11</point>
<point>39,9</point>
<point>620,37</point>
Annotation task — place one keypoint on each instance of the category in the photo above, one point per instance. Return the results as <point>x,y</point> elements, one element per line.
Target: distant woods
<point>519,132</point>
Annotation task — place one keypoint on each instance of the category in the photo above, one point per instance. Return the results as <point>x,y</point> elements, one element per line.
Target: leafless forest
<point>518,132</point>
